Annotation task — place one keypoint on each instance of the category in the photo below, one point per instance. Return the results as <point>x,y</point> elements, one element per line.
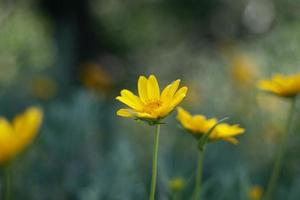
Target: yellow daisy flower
<point>151,104</point>
<point>285,86</point>
<point>199,125</point>
<point>18,134</point>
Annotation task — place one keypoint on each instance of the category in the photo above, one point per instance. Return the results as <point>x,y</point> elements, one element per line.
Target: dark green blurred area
<point>73,57</point>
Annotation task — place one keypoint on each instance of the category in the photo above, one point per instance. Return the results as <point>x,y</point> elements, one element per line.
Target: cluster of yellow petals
<point>285,86</point>
<point>18,134</point>
<point>151,104</point>
<point>198,124</point>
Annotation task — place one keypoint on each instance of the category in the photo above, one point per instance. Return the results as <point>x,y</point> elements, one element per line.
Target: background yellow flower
<point>18,134</point>
<point>285,86</point>
<point>199,124</point>
<point>243,70</point>
<point>151,104</point>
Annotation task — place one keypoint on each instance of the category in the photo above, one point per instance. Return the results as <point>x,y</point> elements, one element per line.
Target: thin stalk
<point>197,190</point>
<point>7,190</point>
<point>280,153</point>
<point>154,162</point>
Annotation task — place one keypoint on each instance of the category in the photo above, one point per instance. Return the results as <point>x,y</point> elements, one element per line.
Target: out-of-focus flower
<point>176,184</point>
<point>199,125</point>
<point>255,192</point>
<point>243,70</point>
<point>280,85</point>
<point>43,87</point>
<point>151,104</point>
<point>94,77</point>
<point>18,134</point>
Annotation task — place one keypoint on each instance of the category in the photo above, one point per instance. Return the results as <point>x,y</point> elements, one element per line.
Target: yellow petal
<point>20,134</point>
<point>6,130</point>
<point>153,88</point>
<point>146,115</point>
<point>174,87</point>
<point>163,111</point>
<point>142,89</point>
<point>7,144</point>
<point>133,98</point>
<point>226,130</point>
<point>267,86</point>
<point>128,102</point>
<point>179,96</point>
<point>165,95</point>
<point>131,113</point>
<point>200,123</point>
<point>169,91</point>
<point>27,125</point>
<point>185,119</point>
<point>232,140</point>
<point>125,112</point>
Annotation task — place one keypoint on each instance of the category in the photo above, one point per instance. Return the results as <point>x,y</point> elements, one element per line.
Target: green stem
<point>197,190</point>
<point>7,190</point>
<point>154,162</point>
<point>280,153</point>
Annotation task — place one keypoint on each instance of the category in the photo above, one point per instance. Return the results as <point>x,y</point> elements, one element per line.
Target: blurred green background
<point>73,58</point>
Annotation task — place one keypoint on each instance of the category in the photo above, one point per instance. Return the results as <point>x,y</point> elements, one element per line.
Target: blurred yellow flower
<point>255,192</point>
<point>198,124</point>
<point>43,87</point>
<point>94,77</point>
<point>176,184</point>
<point>285,86</point>
<point>243,70</point>
<point>18,134</point>
<point>151,104</point>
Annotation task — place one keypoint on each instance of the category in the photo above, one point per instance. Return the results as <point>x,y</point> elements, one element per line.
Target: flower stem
<point>199,175</point>
<point>7,190</point>
<point>280,153</point>
<point>154,162</point>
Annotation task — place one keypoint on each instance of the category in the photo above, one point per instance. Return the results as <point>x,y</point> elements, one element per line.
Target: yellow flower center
<point>152,106</point>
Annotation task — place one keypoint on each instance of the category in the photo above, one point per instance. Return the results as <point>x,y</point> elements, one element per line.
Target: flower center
<point>152,106</point>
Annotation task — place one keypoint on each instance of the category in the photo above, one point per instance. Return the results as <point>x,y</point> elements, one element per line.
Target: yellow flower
<point>177,184</point>
<point>18,134</point>
<point>285,86</point>
<point>255,192</point>
<point>151,104</point>
<point>96,78</point>
<point>199,125</point>
<point>243,70</point>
